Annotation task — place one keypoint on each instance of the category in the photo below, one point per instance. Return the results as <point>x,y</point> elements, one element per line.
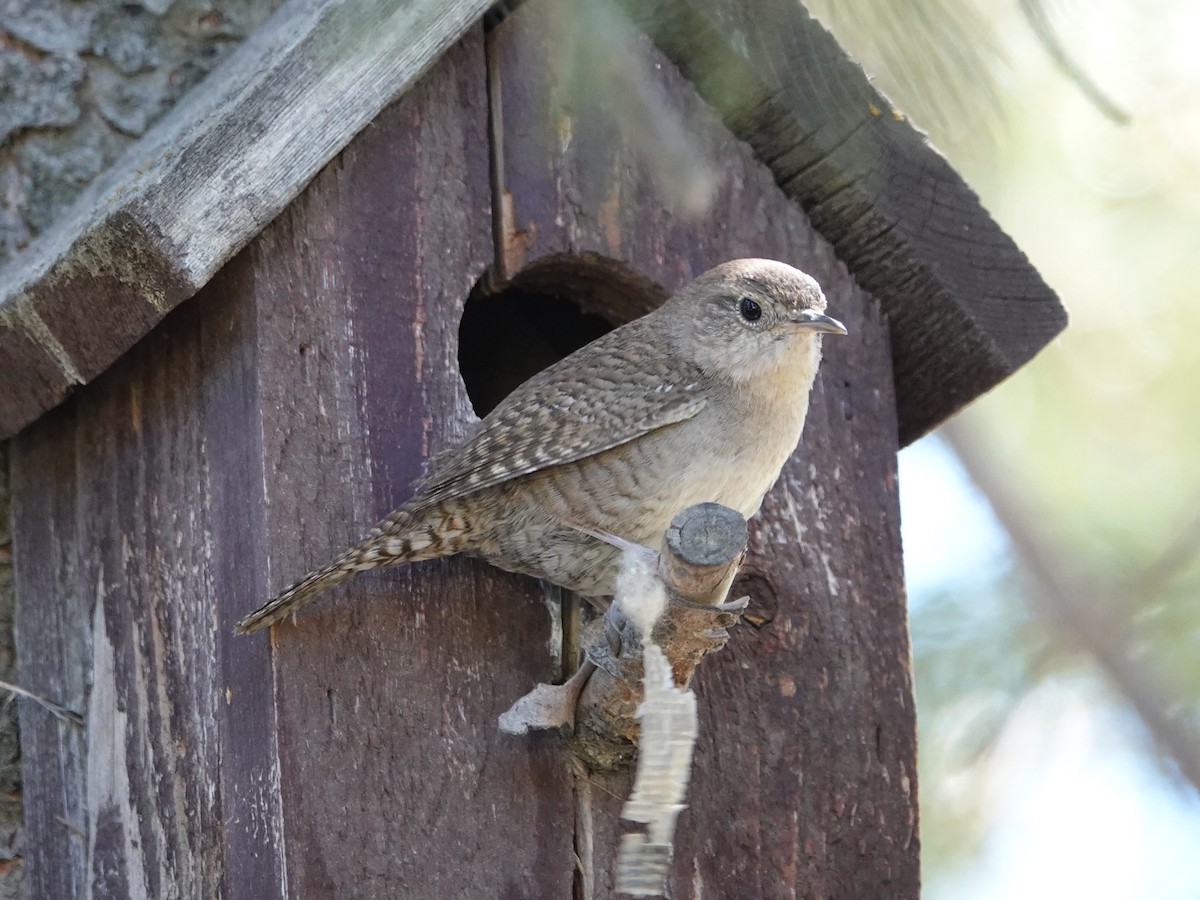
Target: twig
<point>71,827</point>
<point>1044,31</point>
<point>55,709</point>
<point>700,556</point>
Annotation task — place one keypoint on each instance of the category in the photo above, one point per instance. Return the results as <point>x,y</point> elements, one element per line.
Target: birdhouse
<point>239,348</point>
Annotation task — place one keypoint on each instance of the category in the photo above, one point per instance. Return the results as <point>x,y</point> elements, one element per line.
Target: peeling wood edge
<point>206,179</point>
<point>23,314</point>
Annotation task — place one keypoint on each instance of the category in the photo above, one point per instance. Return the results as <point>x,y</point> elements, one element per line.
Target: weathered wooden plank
<point>226,160</point>
<point>34,379</point>
<point>53,636</point>
<point>231,414</point>
<point>152,749</point>
<point>136,622</point>
<point>804,780</point>
<point>965,306</point>
<point>150,476</point>
<point>395,780</point>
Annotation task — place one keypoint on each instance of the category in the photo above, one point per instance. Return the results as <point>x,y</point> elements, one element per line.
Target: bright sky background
<point>1077,809</point>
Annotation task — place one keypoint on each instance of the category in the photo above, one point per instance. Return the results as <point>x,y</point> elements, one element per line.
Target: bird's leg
<point>605,649</point>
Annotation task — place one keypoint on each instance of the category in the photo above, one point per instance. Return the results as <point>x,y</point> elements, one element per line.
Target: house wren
<point>702,399</point>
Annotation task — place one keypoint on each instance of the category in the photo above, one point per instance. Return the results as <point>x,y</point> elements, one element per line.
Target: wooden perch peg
<point>684,585</point>
<point>700,556</point>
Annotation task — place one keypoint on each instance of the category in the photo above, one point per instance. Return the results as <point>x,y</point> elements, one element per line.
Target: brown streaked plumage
<point>702,399</point>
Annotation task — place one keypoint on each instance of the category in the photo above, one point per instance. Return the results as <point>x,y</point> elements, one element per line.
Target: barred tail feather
<point>382,548</point>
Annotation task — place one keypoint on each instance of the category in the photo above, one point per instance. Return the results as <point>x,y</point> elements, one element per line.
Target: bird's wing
<point>604,395</point>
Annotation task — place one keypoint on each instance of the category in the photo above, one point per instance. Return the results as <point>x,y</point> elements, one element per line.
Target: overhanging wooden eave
<point>966,307</point>
<point>226,160</point>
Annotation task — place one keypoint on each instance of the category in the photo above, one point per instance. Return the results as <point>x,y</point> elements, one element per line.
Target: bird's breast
<point>634,490</point>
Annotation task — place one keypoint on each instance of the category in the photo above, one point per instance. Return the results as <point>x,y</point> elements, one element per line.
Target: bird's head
<point>750,317</point>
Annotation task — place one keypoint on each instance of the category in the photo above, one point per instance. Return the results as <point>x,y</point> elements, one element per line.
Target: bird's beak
<point>811,320</point>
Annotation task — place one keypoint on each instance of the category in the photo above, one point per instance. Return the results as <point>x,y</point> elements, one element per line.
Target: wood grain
<point>804,780</point>
<point>965,307</point>
<point>249,434</point>
<point>53,636</point>
<point>396,781</point>
<point>197,187</point>
<point>126,589</point>
<point>253,432</point>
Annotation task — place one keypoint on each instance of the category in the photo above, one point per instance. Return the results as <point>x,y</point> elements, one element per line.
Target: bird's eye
<point>750,310</point>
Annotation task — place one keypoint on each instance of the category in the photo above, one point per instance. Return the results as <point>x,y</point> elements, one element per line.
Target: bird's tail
<point>402,538</point>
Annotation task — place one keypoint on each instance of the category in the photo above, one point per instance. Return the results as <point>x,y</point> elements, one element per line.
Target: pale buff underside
<point>730,453</point>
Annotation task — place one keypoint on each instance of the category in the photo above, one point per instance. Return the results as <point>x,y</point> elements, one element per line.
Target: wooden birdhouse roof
<point>966,308</point>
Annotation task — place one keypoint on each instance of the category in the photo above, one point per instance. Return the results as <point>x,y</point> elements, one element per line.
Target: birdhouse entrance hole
<point>545,312</point>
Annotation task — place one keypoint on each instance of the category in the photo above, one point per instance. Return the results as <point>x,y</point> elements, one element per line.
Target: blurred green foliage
<point>969,679</point>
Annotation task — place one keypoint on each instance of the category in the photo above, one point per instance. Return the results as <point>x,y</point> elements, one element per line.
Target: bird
<point>702,399</point>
